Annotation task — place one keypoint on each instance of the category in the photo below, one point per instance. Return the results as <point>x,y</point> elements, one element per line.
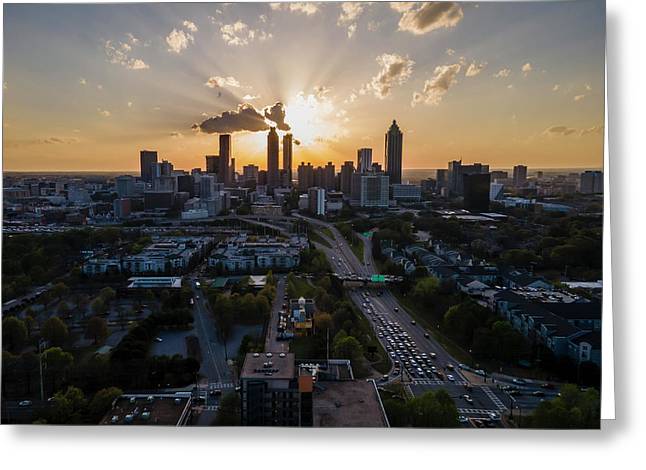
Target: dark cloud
<point>276,114</point>
<point>245,118</point>
<point>423,17</point>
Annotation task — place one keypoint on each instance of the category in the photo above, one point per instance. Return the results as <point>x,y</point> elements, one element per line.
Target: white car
<point>450,378</point>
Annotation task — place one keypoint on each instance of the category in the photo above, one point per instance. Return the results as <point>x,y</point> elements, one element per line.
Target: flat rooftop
<point>267,366</point>
<point>160,410</point>
<point>349,404</point>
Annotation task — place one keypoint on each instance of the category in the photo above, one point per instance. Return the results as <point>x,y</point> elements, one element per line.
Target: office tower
<point>456,174</point>
<point>287,157</point>
<point>232,172</point>
<point>165,183</point>
<point>319,176</point>
<point>250,173</point>
<point>273,391</point>
<point>262,178</point>
<point>329,177</point>
<point>592,182</point>
<point>166,168</point>
<point>158,200</point>
<point>186,184</point>
<point>125,186</point>
<point>305,176</point>
<point>393,153</point>
<point>370,189</point>
<point>207,187</point>
<point>316,200</point>
<point>496,191</point>
<point>520,175</point>
<point>364,160</point>
<point>225,158</point>
<point>345,178</point>
<point>273,175</point>
<point>146,160</point>
<point>212,164</point>
<point>476,191</point>
<point>406,192</point>
<point>499,175</point>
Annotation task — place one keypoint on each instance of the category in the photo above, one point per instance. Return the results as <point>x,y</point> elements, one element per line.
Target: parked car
<point>25,403</point>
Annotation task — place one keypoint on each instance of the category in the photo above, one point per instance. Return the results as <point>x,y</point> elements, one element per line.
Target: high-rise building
<point>456,174</point>
<point>345,178</point>
<point>212,164</point>
<point>592,182</point>
<point>476,191</point>
<point>232,172</point>
<point>207,187</point>
<point>146,160</point>
<point>364,160</point>
<point>520,175</point>
<point>225,158</point>
<point>125,186</point>
<point>305,176</point>
<point>273,393</point>
<point>499,175</point>
<point>185,184</point>
<point>316,200</point>
<point>273,175</point>
<point>393,153</point>
<point>165,183</point>
<point>370,189</point>
<point>166,168</point>
<point>442,179</point>
<point>329,177</point>
<point>287,157</point>
<point>496,191</point>
<point>406,192</point>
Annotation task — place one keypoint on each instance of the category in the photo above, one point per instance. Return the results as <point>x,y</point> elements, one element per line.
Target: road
<point>272,344</point>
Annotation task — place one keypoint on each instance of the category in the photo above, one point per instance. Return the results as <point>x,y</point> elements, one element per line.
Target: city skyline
<point>478,82</point>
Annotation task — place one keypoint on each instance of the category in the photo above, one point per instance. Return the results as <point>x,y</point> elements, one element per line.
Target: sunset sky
<point>87,86</point>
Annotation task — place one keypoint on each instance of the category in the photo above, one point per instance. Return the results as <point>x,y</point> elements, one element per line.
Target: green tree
<point>98,306</point>
<point>60,290</point>
<point>55,331</point>
<point>97,329</point>
<point>57,363</point>
<point>574,409</point>
<point>102,402</point>
<point>14,334</point>
<point>433,410</point>
<point>348,347</point>
<point>108,294</point>
<point>229,410</point>
<point>67,407</point>
<point>426,289</point>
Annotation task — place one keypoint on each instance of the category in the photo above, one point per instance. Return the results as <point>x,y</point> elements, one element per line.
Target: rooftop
<point>267,366</point>
<point>347,404</point>
<point>161,410</point>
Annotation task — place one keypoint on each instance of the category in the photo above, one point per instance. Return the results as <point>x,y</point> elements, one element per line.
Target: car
<point>494,416</point>
<point>396,309</point>
<point>433,355</point>
<point>215,392</point>
<point>25,403</point>
<point>384,377</point>
<point>197,284</point>
<point>192,302</point>
<point>427,336</point>
<point>450,378</point>
<point>449,367</point>
<point>467,398</point>
<point>413,322</point>
<point>520,381</point>
<point>514,393</point>
<point>463,419</point>
<point>158,339</point>
<point>538,393</point>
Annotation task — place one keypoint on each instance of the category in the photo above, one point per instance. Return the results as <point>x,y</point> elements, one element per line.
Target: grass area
<point>315,237</point>
<point>301,288</point>
<point>422,318</point>
<point>328,233</point>
<point>357,248</point>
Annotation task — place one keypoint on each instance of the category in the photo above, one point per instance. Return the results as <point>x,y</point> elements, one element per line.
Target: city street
<point>272,344</point>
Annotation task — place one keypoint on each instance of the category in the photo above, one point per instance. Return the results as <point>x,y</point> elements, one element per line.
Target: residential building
<point>305,176</point>
<point>520,176</point>
<point>224,160</point>
<point>370,189</point>
<point>316,199</point>
<point>345,178</point>
<point>125,185</point>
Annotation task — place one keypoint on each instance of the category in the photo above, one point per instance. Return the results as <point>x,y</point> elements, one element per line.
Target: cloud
<point>82,81</point>
<point>119,53</point>
<point>350,13</point>
<point>502,73</point>
<point>177,135</point>
<point>579,97</point>
<point>240,34</point>
<point>178,40</point>
<point>424,17</point>
<point>474,69</point>
<point>587,87</point>
<point>598,130</point>
<point>221,82</point>
<point>104,112</point>
<point>395,70</point>
<point>450,52</point>
<point>250,97</point>
<point>556,87</point>
<point>435,88</point>
<point>307,8</point>
<point>526,68</point>
<point>565,131</point>
<point>245,118</point>
<point>276,113</point>
<point>321,91</point>
<point>130,104</point>
<point>99,87</point>
<point>190,26</point>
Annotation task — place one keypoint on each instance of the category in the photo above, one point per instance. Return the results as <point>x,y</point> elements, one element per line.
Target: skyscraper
<point>225,157</point>
<point>364,160</point>
<point>591,182</point>
<point>212,163</point>
<point>476,191</point>
<point>329,177</point>
<point>345,178</point>
<point>520,175</point>
<point>232,172</point>
<point>393,153</point>
<point>287,156</point>
<point>146,160</point>
<point>273,175</point>
<point>305,176</point>
<point>166,168</point>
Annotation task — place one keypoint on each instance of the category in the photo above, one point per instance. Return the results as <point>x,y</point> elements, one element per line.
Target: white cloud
<point>176,135</point>
<point>99,87</point>
<point>82,81</point>
<point>556,87</point>
<point>221,82</point>
<point>130,104</point>
<point>474,69</point>
<point>240,34</point>
<point>502,73</point>
<point>190,26</point>
<point>450,52</point>
<point>526,68</point>
<point>579,97</point>
<point>250,97</point>
<point>424,17</point>
<point>435,88</point>
<point>588,87</point>
<point>178,40</point>
<point>119,53</point>
<point>104,112</point>
<point>395,70</point>
<point>307,8</point>
<point>564,131</point>
<point>350,13</point>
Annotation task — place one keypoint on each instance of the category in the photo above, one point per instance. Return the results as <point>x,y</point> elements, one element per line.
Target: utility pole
<point>40,366</point>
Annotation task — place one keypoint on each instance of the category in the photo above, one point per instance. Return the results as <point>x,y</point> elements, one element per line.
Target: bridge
<point>373,279</point>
